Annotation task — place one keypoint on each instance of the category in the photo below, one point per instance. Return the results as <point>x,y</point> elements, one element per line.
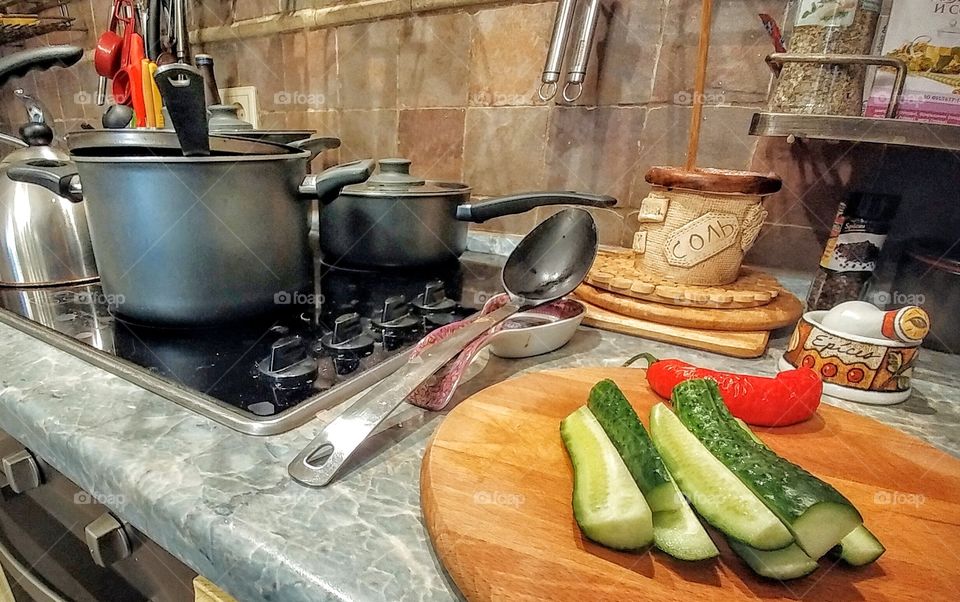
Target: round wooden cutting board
<point>496,486</point>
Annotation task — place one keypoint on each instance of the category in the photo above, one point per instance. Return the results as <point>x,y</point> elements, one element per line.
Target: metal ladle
<point>549,263</point>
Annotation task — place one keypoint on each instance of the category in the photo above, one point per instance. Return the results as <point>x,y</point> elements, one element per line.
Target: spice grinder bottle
<point>853,248</point>
<point>826,27</point>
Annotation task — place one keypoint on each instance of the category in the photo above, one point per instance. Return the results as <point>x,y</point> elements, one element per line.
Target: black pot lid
<point>393,179</point>
<point>146,143</point>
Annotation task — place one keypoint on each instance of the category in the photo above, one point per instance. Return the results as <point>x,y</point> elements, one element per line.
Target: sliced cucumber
<point>623,427</point>
<point>816,513</point>
<point>607,503</point>
<point>858,548</point>
<point>680,534</point>
<point>789,563</point>
<point>717,494</point>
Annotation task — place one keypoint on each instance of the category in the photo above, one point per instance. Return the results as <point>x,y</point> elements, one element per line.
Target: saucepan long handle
<point>518,203</point>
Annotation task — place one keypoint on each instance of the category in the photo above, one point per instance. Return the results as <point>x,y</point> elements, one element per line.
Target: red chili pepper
<point>790,397</point>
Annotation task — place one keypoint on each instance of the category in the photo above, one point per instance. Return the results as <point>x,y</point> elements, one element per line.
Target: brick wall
<point>454,90</point>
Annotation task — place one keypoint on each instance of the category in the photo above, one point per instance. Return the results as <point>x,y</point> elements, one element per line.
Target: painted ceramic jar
<point>867,370</point>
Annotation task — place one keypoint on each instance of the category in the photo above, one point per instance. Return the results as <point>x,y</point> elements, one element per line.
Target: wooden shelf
<point>858,129</point>
<point>13,33</point>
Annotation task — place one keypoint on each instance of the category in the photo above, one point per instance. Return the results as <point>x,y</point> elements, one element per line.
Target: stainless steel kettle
<point>44,240</point>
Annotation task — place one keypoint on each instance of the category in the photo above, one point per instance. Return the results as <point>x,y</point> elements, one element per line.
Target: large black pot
<point>395,220</point>
<point>193,240</point>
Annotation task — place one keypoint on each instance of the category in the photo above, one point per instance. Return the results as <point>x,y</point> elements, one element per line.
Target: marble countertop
<point>223,503</point>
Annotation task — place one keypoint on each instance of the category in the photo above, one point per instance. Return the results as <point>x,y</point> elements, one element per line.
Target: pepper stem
<point>651,359</point>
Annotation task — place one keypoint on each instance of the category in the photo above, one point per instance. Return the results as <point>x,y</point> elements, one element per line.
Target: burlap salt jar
<point>696,226</point>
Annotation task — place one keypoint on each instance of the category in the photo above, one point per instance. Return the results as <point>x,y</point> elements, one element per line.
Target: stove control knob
<point>348,337</point>
<point>22,471</point>
<point>433,299</point>
<point>347,327</point>
<point>286,352</point>
<point>394,308</point>
<point>107,540</point>
<point>289,364</point>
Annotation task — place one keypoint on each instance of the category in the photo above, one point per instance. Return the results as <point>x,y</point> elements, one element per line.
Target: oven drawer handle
<point>32,584</point>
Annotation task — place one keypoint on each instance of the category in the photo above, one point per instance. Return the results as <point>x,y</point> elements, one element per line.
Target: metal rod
<point>558,47</point>
<point>581,52</point>
<point>703,55</point>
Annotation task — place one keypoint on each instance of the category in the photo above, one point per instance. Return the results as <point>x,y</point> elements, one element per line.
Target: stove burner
<point>348,343</point>
<point>289,365</point>
<point>433,300</point>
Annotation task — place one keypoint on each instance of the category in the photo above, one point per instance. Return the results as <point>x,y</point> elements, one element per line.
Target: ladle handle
<point>182,89</point>
<point>341,438</point>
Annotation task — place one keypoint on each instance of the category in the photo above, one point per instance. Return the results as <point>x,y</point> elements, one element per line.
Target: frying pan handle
<point>21,63</point>
<point>509,205</point>
<point>327,185</point>
<point>59,177</point>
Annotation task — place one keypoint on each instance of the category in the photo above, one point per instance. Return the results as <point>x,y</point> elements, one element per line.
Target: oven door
<point>59,544</point>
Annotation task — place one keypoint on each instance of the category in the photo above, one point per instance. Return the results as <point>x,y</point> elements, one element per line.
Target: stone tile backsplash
<point>454,88</point>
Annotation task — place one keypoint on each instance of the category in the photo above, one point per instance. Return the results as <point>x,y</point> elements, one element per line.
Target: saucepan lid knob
<point>395,173</point>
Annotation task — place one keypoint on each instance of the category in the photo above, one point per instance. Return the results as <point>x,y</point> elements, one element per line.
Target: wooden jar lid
<point>718,181</point>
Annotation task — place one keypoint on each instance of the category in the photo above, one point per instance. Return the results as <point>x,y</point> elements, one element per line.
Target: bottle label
<point>832,13</point>
<point>854,244</point>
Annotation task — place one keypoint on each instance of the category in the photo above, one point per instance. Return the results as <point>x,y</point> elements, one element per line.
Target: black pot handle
<point>22,63</point>
<point>59,177</point>
<point>316,145</point>
<point>518,203</point>
<point>327,185</point>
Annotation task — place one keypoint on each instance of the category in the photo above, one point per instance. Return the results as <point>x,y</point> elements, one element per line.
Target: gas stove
<point>268,375</point>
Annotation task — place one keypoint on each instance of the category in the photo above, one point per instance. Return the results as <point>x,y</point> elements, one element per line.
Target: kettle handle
<point>22,63</point>
<point>12,140</point>
<point>59,177</point>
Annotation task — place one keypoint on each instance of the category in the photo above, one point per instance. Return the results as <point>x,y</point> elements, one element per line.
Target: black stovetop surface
<point>232,362</point>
